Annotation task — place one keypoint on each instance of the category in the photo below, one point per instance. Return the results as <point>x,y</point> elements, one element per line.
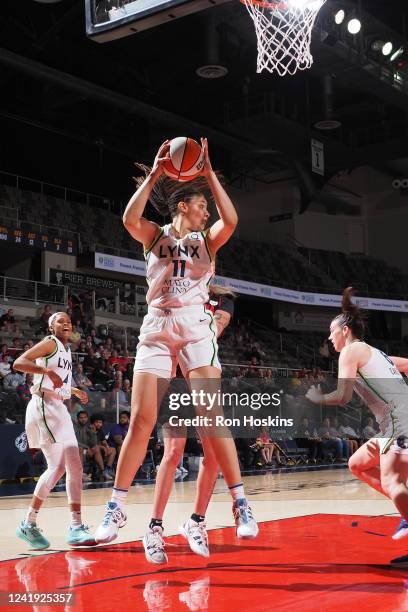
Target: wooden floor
<point>272,496</point>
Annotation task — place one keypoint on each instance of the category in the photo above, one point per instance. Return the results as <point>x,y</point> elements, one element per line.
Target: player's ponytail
<point>219,291</point>
<point>351,315</point>
<point>167,193</point>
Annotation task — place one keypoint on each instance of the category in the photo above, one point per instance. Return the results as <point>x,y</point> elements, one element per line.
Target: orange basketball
<point>186,159</point>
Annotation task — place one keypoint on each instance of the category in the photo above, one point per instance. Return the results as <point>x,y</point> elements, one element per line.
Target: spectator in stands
<point>13,380</point>
<point>4,351</point>
<point>331,443</point>
<point>4,366</point>
<point>15,349</point>
<point>119,431</point>
<point>8,322</point>
<point>23,391</point>
<point>96,339</point>
<point>369,430</point>
<point>129,371</point>
<point>324,352</point>
<point>81,379</point>
<point>306,437</point>
<point>346,431</point>
<point>81,351</point>
<point>40,325</point>
<point>78,327</point>
<point>75,338</point>
<point>114,359</point>
<point>108,452</point>
<point>349,446</point>
<point>88,444</point>
<point>123,394</point>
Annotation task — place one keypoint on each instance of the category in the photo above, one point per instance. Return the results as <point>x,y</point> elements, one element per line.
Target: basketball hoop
<point>283,32</point>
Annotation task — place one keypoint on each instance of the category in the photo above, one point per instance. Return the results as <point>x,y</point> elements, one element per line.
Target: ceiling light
<point>354,26</point>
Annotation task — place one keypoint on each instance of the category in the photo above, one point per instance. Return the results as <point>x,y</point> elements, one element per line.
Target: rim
<point>265,4</point>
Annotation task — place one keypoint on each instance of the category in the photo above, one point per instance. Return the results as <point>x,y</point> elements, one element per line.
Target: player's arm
<point>401,363</point>
<point>26,361</point>
<point>81,395</point>
<point>139,228</point>
<point>348,365</point>
<point>222,320</point>
<point>222,229</point>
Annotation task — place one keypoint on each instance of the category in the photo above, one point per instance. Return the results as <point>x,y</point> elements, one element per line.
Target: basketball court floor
<point>324,544</point>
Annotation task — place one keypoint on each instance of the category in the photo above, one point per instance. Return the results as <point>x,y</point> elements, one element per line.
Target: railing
<point>32,291</point>
<point>65,193</point>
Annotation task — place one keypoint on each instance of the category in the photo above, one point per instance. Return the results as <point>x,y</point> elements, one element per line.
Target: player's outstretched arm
<point>348,365</point>
<point>26,361</point>
<point>401,363</point>
<point>222,229</point>
<point>139,228</point>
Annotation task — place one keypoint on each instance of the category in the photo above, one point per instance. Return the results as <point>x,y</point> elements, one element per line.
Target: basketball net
<point>283,32</point>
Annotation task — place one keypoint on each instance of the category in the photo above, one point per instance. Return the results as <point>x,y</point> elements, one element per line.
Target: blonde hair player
<point>177,327</point>
<point>49,428</point>
<point>382,462</point>
<point>221,304</point>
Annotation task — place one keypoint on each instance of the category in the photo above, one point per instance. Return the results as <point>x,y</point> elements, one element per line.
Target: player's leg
<point>194,529</point>
<point>145,399</point>
<point>394,478</point>
<point>365,464</point>
<point>174,442</point>
<point>78,534</point>
<point>207,379</point>
<point>28,529</point>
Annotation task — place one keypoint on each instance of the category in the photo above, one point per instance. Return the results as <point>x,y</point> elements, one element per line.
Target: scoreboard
<point>47,241</point>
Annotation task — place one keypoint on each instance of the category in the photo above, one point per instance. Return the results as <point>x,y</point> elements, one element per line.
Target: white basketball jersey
<point>60,362</point>
<point>382,387</point>
<point>178,270</point>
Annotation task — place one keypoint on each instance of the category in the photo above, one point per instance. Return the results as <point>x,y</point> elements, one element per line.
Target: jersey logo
<point>65,364</point>
<point>177,251</point>
<point>66,380</point>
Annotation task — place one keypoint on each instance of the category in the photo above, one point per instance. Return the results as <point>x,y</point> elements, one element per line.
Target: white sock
<point>237,491</point>
<point>119,496</point>
<point>31,517</point>
<point>76,519</point>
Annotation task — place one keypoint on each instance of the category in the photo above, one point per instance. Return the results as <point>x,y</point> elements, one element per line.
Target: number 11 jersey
<point>178,270</point>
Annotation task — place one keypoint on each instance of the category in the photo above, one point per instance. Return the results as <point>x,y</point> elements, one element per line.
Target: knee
<point>354,466</point>
<point>210,463</point>
<point>172,457</point>
<point>141,424</point>
<point>393,488</point>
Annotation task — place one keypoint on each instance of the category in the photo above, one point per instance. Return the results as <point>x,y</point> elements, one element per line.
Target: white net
<point>283,32</point>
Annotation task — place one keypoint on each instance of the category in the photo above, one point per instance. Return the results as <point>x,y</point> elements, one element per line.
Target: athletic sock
<point>31,517</point>
<point>155,523</point>
<point>198,518</point>
<point>237,491</point>
<point>76,520</point>
<point>119,496</point>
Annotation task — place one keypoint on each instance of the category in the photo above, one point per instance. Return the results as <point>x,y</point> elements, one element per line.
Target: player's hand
<point>207,168</point>
<point>161,156</point>
<point>81,395</point>
<point>55,379</point>
<point>315,394</point>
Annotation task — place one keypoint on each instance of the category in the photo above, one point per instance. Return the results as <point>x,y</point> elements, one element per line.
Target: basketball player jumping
<point>49,428</point>
<point>177,327</point>
<point>381,462</point>
<point>221,303</point>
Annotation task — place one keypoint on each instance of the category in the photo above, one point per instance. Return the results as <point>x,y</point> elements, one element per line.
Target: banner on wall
<point>114,263</point>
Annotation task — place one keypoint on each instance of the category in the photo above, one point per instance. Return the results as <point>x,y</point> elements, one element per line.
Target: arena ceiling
<point>75,110</point>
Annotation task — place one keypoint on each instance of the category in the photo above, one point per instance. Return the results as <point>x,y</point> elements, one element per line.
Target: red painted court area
<point>319,562</point>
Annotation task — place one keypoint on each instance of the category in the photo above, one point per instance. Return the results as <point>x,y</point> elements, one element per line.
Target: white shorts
<point>48,420</point>
<point>390,444</point>
<point>170,336</point>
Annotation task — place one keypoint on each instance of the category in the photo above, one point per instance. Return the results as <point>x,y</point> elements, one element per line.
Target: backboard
<point>112,19</point>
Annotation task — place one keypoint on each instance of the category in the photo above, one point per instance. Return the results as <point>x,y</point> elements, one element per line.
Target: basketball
<point>186,159</point>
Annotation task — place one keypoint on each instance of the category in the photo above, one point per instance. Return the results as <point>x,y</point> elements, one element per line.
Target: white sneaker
<point>196,535</point>
<point>113,520</point>
<point>177,473</point>
<point>247,526</point>
<point>183,470</point>
<point>154,545</point>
